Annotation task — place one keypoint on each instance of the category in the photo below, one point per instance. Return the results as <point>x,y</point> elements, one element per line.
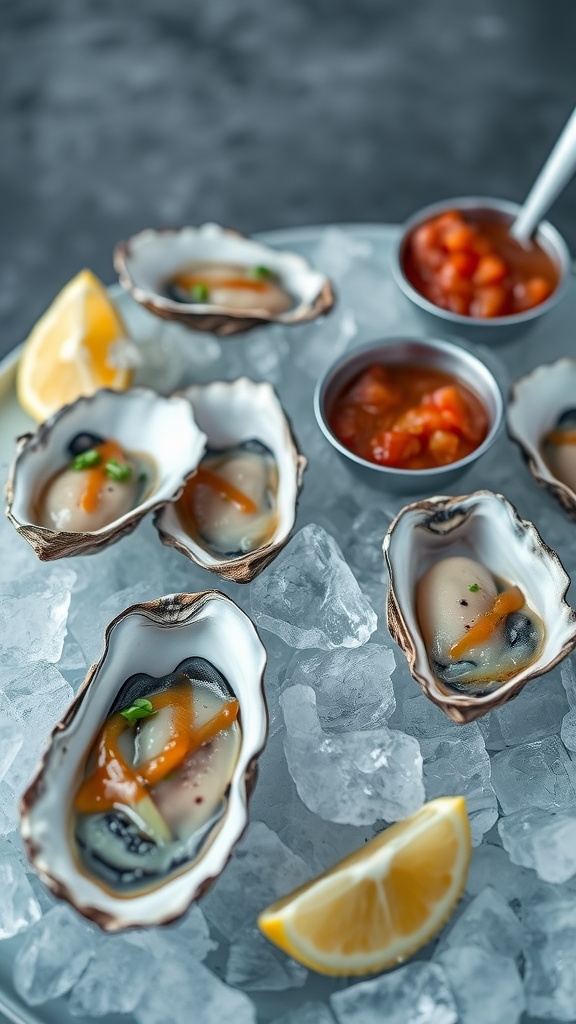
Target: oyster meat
<point>559,448</point>
<point>239,509</point>
<point>478,631</point>
<point>144,788</point>
<point>472,562</point>
<point>214,279</point>
<point>89,474</point>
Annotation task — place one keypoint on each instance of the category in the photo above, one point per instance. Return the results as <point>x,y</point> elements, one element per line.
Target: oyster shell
<point>149,259</point>
<point>140,421</point>
<point>537,402</point>
<point>152,638</point>
<point>231,414</point>
<point>485,527</point>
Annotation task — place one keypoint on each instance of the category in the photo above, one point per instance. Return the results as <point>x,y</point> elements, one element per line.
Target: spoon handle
<point>556,173</point>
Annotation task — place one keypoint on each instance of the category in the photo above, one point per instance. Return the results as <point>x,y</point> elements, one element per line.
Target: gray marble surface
<point>260,114</point>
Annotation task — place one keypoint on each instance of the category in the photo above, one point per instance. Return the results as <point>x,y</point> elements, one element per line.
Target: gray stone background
<point>118,115</point>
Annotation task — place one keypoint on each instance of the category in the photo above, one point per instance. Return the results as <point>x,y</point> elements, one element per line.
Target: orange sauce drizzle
<point>96,475</point>
<point>225,489</point>
<point>179,700</point>
<point>561,437</point>
<point>511,600</point>
<point>113,780</point>
<point>191,281</point>
<point>223,719</point>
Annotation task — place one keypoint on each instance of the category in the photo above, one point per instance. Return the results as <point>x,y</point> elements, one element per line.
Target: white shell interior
<point>228,414</point>
<point>140,420</point>
<point>225,636</point>
<point>539,398</point>
<point>153,256</point>
<point>510,548</point>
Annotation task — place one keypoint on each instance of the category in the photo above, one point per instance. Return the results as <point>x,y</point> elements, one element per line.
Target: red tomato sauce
<point>408,417</point>
<point>473,266</point>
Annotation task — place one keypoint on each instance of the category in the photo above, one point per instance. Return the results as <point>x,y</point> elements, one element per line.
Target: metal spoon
<point>554,176</point>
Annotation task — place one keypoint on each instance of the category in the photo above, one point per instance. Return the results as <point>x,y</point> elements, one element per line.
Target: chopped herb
<point>474,587</point>
<point>116,471</point>
<point>140,708</point>
<point>86,460</point>
<point>199,293</point>
<point>261,273</point>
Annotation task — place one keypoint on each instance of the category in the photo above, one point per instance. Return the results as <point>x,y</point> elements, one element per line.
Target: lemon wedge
<point>69,351</point>
<point>379,905</point>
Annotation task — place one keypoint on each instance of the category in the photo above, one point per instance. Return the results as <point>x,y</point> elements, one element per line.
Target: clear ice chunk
<point>549,942</point>
<point>353,687</point>
<point>568,677</point>
<point>11,739</point>
<point>19,907</point>
<point>310,1012</point>
<point>310,597</point>
<point>568,730</point>
<point>261,870</point>
<point>486,985</point>
<point>538,774</point>
<point>544,840</point>
<point>354,778</point>
<point>115,981</point>
<point>254,964</point>
<point>457,764</point>
<point>57,951</point>
<point>34,610</point>
<point>488,922</point>
<point>537,711</point>
<point>416,994</point>
<point>492,866</point>
<point>183,990</point>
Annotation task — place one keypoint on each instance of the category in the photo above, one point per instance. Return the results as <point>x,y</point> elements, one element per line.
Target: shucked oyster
<point>238,510</point>
<point>542,420</point>
<point>143,791</point>
<point>476,601</point>
<point>213,279</point>
<point>91,472</point>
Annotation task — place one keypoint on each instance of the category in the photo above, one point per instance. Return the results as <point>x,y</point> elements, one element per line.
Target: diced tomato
<point>465,262</point>
<point>422,419</point>
<point>452,406</point>
<point>531,293</point>
<point>490,270</point>
<point>394,447</point>
<point>345,425</point>
<point>458,238</point>
<point>425,237</point>
<point>458,304</point>
<point>374,390</point>
<point>451,281</point>
<point>481,245</point>
<point>443,445</point>
<point>447,221</point>
<point>488,302</point>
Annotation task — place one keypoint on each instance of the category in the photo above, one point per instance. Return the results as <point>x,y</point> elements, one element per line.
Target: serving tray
<point>376,311</point>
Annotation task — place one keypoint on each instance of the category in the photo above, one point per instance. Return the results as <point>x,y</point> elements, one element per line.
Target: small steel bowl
<point>439,355</point>
<point>498,329</point>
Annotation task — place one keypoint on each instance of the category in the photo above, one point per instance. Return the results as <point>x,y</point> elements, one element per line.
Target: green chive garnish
<point>474,587</point>
<point>261,273</point>
<point>87,459</point>
<point>140,708</point>
<point>199,293</point>
<point>116,471</point>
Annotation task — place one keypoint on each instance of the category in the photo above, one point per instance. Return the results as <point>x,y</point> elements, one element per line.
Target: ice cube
<point>309,596</point>
<point>262,869</point>
<point>182,991</point>
<point>115,981</point>
<point>34,611</point>
<point>488,922</point>
<point>543,840</point>
<point>308,1013</point>
<point>486,985</point>
<point>191,934</point>
<point>538,774</point>
<point>254,964</point>
<point>57,951</point>
<point>492,866</point>
<point>19,907</point>
<point>420,717</point>
<point>354,777</point>
<point>353,687</point>
<point>568,677</point>
<point>416,994</point>
<point>457,764</point>
<point>549,941</point>
<point>568,730</point>
<point>11,739</point>
<point>18,557</point>
<point>537,711</point>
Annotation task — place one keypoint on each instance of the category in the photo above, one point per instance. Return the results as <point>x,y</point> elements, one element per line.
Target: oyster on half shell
<point>148,262</point>
<point>542,403</point>
<point>485,528</point>
<point>106,864</point>
<point>246,420</point>
<point>140,421</point>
